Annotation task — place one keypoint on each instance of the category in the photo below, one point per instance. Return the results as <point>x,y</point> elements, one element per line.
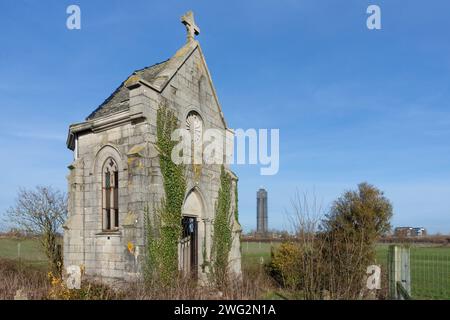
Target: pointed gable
<point>157,77</point>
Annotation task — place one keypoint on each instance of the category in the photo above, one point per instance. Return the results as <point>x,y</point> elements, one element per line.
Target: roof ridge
<point>151,66</point>
<point>121,86</point>
<point>157,75</point>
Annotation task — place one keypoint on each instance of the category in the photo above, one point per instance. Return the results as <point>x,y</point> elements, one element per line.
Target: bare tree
<point>307,212</point>
<point>42,212</point>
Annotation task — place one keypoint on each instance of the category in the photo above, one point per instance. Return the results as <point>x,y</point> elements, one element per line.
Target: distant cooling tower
<point>261,212</point>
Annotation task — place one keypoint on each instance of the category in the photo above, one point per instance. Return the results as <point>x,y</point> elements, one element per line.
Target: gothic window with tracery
<point>110,196</point>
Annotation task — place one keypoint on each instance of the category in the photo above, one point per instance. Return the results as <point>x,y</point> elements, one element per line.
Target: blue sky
<point>351,104</point>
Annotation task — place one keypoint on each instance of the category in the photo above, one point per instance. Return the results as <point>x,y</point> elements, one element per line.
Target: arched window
<point>110,195</point>
<point>194,124</point>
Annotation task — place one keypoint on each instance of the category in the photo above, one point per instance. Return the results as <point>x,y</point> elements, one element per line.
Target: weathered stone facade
<point>124,128</point>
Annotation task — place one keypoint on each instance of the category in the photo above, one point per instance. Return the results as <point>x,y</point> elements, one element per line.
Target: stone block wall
<point>129,140</point>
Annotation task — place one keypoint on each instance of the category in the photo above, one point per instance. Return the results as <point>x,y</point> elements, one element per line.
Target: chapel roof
<point>156,77</point>
<point>118,100</point>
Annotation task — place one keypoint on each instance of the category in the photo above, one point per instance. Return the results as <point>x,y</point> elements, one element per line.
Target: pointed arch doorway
<point>188,253</point>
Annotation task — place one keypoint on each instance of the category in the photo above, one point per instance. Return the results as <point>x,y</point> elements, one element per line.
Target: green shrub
<point>284,266</point>
<point>330,258</point>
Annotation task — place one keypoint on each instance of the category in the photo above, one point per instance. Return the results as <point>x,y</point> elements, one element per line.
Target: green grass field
<point>430,270</point>
<point>256,252</point>
<point>26,250</point>
<point>430,266</point>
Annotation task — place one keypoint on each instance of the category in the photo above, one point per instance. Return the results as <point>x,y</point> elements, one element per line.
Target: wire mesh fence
<point>429,267</point>
<point>424,271</point>
<point>430,272</point>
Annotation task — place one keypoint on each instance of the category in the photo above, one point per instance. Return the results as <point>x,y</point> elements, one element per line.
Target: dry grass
<point>16,276</point>
<point>255,284</point>
<point>36,285</point>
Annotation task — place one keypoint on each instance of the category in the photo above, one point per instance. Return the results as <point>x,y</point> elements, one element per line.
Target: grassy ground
<point>430,270</point>
<point>430,265</point>
<point>27,250</point>
<point>254,253</point>
<point>25,269</point>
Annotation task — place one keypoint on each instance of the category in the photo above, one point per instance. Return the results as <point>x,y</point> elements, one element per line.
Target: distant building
<point>410,232</point>
<point>261,212</point>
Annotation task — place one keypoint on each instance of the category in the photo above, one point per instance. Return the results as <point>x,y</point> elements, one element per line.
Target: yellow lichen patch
<point>136,151</point>
<point>131,160</point>
<point>130,219</point>
<point>135,163</point>
<point>197,171</point>
<point>182,51</point>
<point>130,247</point>
<point>132,80</point>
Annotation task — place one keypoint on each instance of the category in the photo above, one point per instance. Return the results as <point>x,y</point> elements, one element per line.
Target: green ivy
<point>151,268</point>
<point>222,237</point>
<point>165,231</point>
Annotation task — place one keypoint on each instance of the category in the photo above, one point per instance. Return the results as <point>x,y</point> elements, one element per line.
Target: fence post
<point>399,272</point>
<point>18,250</point>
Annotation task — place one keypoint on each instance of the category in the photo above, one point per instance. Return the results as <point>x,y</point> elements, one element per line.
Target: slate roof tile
<point>119,99</point>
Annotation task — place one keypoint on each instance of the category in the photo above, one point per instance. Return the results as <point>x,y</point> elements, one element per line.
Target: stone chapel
<point>116,173</point>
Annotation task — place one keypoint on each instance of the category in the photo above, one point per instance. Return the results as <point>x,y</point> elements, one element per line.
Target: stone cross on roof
<point>191,28</point>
